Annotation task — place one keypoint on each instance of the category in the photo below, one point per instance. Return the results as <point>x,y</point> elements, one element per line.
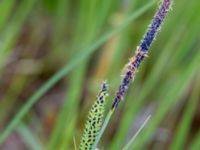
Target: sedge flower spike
<point>141,51</point>
<point>95,119</point>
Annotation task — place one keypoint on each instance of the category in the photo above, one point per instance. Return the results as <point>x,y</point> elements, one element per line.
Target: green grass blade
<point>29,138</point>
<point>6,8</point>
<point>14,27</point>
<point>60,139</point>
<point>60,23</point>
<point>105,124</point>
<point>128,145</point>
<point>70,105</point>
<point>77,59</point>
<point>195,143</point>
<point>169,100</point>
<point>158,70</point>
<point>180,137</point>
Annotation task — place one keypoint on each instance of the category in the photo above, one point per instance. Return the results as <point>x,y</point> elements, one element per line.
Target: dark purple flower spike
<point>141,51</point>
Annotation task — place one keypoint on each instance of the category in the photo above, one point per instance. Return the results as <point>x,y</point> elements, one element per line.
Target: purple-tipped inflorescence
<point>155,25</point>
<point>141,51</point>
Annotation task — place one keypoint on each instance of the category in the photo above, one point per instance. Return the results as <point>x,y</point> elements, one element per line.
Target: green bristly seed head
<point>94,121</point>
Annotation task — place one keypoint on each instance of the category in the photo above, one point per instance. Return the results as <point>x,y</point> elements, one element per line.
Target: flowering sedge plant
<point>130,72</point>
<point>95,118</point>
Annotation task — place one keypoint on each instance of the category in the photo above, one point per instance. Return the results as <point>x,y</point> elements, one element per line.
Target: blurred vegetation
<point>55,54</point>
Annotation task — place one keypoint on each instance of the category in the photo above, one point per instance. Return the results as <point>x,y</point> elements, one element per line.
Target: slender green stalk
<point>29,138</point>
<point>14,28</point>
<point>162,65</point>
<point>105,124</point>
<point>128,145</point>
<point>6,8</point>
<point>76,60</point>
<point>140,54</point>
<point>75,146</point>
<point>173,94</point>
<point>195,143</point>
<point>88,27</point>
<point>182,131</point>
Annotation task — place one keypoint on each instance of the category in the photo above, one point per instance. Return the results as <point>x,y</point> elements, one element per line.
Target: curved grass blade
<point>158,70</point>
<point>135,61</point>
<point>180,137</point>
<point>195,143</point>
<point>28,137</point>
<point>66,69</point>
<point>6,8</point>
<point>60,139</point>
<point>14,27</point>
<point>173,94</point>
<point>106,121</point>
<point>128,145</point>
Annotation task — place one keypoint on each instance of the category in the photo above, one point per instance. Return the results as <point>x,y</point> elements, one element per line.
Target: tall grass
<point>72,47</point>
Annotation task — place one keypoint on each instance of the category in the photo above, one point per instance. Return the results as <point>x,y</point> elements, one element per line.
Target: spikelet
<point>141,52</point>
<point>94,120</point>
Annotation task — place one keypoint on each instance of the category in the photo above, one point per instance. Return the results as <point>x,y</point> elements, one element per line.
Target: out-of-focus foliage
<point>55,54</point>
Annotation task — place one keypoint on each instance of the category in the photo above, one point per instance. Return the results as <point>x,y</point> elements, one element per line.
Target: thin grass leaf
<point>140,53</point>
<point>106,121</point>
<point>180,137</point>
<point>14,27</point>
<point>6,8</point>
<point>62,139</point>
<point>158,70</point>
<point>75,146</point>
<point>60,22</point>
<point>77,59</point>
<point>169,100</point>
<point>195,143</point>
<point>128,145</point>
<point>59,138</point>
<point>29,138</point>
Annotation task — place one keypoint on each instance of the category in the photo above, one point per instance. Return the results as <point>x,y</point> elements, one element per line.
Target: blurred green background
<point>55,54</point>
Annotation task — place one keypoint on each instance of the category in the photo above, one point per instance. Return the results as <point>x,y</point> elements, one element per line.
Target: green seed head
<point>94,121</point>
